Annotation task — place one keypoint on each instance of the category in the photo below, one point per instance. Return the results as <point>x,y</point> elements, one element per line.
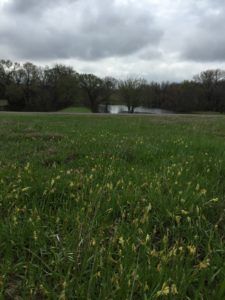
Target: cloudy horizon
<point>157,40</point>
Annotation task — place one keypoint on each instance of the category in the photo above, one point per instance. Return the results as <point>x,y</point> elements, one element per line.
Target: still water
<point>118,109</point>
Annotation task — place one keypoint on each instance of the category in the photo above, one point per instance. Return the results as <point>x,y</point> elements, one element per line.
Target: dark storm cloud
<point>87,30</point>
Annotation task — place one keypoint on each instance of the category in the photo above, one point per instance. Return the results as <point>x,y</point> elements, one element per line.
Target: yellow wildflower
<point>215,200</point>
<point>165,290</point>
<point>71,184</point>
<point>173,289</point>
<point>35,235</point>
<point>191,249</point>
<point>98,274</point>
<point>203,192</point>
<point>147,238</point>
<point>26,168</point>
<point>121,241</point>
<point>146,287</point>
<point>177,218</point>
<point>204,264</point>
<point>25,189</point>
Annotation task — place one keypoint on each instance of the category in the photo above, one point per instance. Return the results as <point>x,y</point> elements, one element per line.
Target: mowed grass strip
<point>112,207</point>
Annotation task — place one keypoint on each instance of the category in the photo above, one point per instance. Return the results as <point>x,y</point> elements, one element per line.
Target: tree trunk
<point>106,110</point>
<point>94,105</point>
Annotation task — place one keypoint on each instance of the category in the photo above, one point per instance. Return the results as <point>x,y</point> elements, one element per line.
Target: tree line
<point>28,87</point>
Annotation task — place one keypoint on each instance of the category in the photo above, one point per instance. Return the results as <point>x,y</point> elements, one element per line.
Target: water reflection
<point>119,109</point>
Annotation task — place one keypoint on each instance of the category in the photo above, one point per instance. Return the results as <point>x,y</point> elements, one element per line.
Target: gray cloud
<point>32,6</point>
<point>87,30</point>
<point>167,39</point>
<point>206,41</point>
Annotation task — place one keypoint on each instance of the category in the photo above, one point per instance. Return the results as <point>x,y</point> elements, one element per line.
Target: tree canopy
<point>28,87</point>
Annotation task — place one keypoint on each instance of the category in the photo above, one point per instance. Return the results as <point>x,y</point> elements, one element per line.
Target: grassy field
<point>109,207</point>
<point>74,109</point>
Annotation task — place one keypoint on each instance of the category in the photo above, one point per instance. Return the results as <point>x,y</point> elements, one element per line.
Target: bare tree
<point>109,88</point>
<point>130,91</point>
<point>209,81</point>
<point>92,87</point>
<point>210,77</point>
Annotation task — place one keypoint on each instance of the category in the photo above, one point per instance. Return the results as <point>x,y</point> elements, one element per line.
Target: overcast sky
<point>155,39</point>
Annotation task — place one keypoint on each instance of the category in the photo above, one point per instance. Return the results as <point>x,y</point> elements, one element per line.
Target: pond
<point>119,109</point>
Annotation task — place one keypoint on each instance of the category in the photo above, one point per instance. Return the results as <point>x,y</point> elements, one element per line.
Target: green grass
<point>206,113</point>
<point>74,109</point>
<point>109,207</point>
